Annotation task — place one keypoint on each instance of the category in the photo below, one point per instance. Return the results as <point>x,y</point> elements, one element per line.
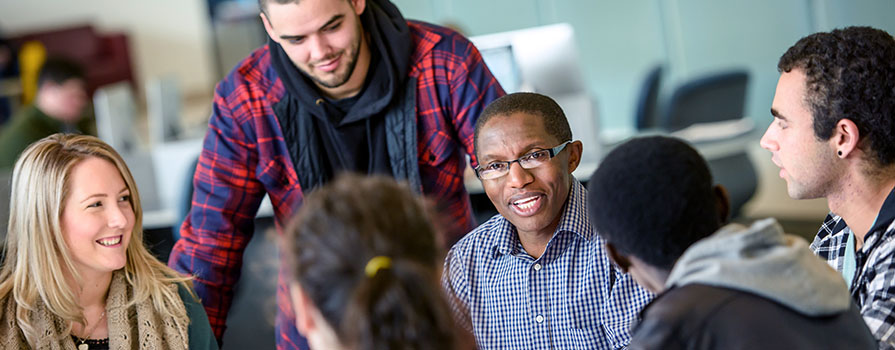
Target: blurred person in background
<point>59,106</point>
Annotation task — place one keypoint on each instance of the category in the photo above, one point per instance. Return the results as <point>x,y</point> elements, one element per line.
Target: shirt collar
<point>886,214</point>
<point>574,219</point>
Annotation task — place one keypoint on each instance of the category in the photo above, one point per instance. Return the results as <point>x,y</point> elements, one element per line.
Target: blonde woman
<point>76,273</point>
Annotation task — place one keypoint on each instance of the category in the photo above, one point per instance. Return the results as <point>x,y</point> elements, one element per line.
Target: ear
<point>722,202</point>
<point>269,28</point>
<point>358,5</point>
<point>303,308</point>
<point>620,261</point>
<point>845,137</point>
<point>575,149</point>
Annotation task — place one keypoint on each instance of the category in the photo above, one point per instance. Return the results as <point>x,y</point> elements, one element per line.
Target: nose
<point>117,217</point>
<point>319,48</point>
<point>768,140</point>
<point>518,177</point>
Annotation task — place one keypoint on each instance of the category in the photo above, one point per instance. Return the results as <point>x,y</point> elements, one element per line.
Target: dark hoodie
<point>752,288</point>
<point>326,137</point>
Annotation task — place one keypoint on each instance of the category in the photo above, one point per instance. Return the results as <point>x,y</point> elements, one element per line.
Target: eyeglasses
<point>532,160</point>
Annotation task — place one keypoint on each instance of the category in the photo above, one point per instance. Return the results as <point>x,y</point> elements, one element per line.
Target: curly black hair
<point>653,197</point>
<point>850,74</point>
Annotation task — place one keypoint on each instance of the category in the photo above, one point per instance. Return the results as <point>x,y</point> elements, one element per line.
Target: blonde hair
<point>37,256</point>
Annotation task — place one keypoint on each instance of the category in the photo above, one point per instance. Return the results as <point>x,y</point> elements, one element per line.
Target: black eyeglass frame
<point>552,152</point>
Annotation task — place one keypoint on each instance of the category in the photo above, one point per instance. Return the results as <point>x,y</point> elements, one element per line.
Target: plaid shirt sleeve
<point>473,88</point>
<point>225,199</point>
<point>454,86</point>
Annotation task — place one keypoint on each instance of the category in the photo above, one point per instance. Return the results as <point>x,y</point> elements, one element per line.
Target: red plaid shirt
<point>245,156</point>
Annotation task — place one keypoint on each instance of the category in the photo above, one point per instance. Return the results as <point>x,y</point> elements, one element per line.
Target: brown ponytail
<point>338,230</point>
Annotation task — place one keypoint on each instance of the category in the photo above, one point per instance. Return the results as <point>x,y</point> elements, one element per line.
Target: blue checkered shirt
<point>873,287</point>
<point>569,298</point>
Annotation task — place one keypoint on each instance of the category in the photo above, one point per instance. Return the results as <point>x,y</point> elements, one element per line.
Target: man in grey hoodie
<point>730,287</point>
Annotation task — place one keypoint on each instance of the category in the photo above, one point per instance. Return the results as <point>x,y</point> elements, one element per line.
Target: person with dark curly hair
<point>832,137</point>
<point>719,286</point>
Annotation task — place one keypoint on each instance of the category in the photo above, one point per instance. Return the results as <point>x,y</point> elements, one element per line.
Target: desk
<point>709,149</point>
<point>161,175</point>
<point>162,184</point>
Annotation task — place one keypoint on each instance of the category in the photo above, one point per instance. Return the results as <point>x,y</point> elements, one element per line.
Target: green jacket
<point>200,334</point>
<point>28,125</point>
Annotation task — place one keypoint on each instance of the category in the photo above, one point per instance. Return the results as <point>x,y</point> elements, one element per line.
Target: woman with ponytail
<point>365,264</point>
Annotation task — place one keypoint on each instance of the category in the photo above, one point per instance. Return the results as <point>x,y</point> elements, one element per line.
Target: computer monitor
<point>163,107</point>
<point>539,59</point>
<point>545,60</point>
<point>502,63</point>
<point>116,115</point>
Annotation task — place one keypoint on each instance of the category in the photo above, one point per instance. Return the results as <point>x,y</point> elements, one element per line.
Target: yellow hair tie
<point>377,263</point>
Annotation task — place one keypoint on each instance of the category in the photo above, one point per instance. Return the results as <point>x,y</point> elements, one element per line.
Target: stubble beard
<point>340,79</point>
<point>823,172</point>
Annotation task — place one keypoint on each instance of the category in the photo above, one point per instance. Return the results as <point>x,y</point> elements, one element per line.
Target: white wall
<point>165,36</point>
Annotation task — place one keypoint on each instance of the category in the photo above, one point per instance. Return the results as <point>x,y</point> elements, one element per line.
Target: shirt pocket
<point>436,149</point>
<point>578,338</point>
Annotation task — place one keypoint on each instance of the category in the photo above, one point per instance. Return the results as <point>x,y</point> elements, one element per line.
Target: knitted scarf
<point>139,326</point>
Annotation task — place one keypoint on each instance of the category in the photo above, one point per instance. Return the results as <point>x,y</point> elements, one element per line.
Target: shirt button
<point>539,319</point>
<point>537,267</point>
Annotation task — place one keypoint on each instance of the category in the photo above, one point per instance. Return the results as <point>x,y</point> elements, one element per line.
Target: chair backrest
<point>163,109</point>
<point>116,113</point>
<point>712,98</point>
<point>737,174</point>
<point>185,201</point>
<point>648,101</point>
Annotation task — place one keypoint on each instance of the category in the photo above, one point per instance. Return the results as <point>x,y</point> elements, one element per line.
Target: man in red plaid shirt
<point>342,85</point>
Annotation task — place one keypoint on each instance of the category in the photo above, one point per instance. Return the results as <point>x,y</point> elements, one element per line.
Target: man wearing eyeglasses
<point>536,275</point>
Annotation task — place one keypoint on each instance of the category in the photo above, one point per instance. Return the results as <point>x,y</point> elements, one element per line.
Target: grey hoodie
<point>763,260</point>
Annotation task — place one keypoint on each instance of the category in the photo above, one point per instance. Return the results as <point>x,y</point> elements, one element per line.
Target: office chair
<point>737,174</point>
<point>185,201</point>
<point>648,101</point>
<point>712,98</point>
